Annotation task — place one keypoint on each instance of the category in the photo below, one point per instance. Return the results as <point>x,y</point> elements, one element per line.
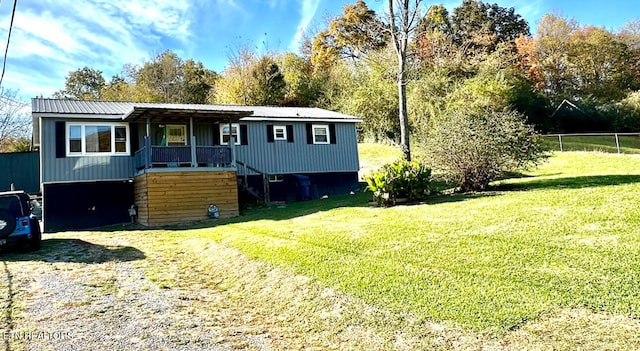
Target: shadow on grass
<point>274,212</point>
<point>74,250</point>
<point>571,182</point>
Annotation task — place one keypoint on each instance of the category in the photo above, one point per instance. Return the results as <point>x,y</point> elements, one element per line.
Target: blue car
<point>18,225</point>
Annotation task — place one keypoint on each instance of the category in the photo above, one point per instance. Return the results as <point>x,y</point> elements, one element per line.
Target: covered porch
<point>183,148</point>
<point>179,173</point>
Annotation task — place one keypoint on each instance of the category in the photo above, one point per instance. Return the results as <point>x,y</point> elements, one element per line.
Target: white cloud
<point>52,37</point>
<point>308,11</point>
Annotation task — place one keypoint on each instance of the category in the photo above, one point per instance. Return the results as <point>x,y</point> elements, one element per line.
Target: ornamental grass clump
<point>399,180</point>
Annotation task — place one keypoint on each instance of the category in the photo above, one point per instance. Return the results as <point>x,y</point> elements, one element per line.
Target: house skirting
<point>320,184</point>
<point>164,198</point>
<point>82,205</point>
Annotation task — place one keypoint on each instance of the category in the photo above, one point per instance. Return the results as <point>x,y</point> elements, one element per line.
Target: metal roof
<point>63,106</point>
<point>134,110</point>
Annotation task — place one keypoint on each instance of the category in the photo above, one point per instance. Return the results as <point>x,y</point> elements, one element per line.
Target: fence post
<point>560,140</point>
<point>617,143</point>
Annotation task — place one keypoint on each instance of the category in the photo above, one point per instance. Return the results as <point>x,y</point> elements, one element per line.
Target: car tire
<point>36,235</point>
<point>10,220</point>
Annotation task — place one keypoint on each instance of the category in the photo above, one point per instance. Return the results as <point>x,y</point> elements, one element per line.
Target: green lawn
<point>548,260</point>
<point>373,155</point>
<point>566,237</point>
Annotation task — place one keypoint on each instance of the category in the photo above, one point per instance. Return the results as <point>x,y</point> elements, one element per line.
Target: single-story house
<point>172,161</point>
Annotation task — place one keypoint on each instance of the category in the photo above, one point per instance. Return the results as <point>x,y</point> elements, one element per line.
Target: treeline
<point>565,77</point>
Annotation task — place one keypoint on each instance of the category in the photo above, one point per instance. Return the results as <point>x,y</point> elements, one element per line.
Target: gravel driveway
<point>74,295</point>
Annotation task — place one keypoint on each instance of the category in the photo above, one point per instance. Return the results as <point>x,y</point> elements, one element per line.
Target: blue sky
<point>52,37</point>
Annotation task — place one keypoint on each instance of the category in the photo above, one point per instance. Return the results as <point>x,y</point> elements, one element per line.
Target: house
<point>172,161</point>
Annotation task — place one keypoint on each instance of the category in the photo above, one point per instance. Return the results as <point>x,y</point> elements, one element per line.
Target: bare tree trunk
<point>402,109</point>
<point>401,29</point>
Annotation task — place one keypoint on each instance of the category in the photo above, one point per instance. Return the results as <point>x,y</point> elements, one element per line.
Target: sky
<point>50,38</point>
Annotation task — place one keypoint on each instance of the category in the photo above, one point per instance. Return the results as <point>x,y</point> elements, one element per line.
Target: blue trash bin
<point>303,184</point>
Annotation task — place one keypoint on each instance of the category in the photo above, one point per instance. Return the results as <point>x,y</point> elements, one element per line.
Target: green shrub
<point>400,179</point>
<point>472,147</point>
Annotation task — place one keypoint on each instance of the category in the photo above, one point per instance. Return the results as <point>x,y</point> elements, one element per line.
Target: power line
<point>6,50</point>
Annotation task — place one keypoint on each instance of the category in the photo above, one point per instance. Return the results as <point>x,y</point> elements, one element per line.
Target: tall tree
<point>357,31</point>
<point>434,38</point>
<point>479,28</point>
<point>235,83</point>
<point>160,79</point>
<point>84,84</point>
<point>302,88</point>
<point>403,18</point>
<point>269,85</point>
<point>197,83</point>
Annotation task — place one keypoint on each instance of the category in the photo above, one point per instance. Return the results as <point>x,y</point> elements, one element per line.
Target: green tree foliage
<point>599,62</point>
<point>474,146</point>
<point>357,31</point>
<point>197,83</point>
<point>269,87</point>
<point>167,78</point>
<point>370,92</point>
<point>479,27</point>
<point>302,85</point>
<point>250,80</point>
<point>164,78</point>
<point>83,84</point>
<point>434,39</point>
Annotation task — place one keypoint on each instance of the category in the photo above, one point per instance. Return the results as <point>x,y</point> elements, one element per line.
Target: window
<point>75,139</point>
<point>121,139</point>
<point>276,178</point>
<point>279,133</point>
<point>225,135</point>
<point>176,135</point>
<point>97,139</point>
<point>320,134</point>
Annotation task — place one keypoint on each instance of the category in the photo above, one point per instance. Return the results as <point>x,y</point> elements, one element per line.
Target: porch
<point>181,171</point>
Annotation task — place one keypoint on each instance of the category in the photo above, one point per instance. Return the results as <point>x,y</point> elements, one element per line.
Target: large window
<point>320,134</point>
<point>226,132</point>
<point>97,139</point>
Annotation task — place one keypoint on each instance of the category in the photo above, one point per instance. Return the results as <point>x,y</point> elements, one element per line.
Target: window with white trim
<point>97,139</point>
<point>176,134</point>
<point>320,134</point>
<point>279,133</point>
<point>276,178</point>
<point>225,135</point>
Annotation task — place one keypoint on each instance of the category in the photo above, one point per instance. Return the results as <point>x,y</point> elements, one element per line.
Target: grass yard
<point>373,155</point>
<point>548,260</point>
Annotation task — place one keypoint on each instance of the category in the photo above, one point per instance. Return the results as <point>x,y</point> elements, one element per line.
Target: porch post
<point>147,145</point>
<point>194,162</point>
<point>232,144</point>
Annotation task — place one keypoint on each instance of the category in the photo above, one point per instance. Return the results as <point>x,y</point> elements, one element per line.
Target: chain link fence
<point>621,143</point>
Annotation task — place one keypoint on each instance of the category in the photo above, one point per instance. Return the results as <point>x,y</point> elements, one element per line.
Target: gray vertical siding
<point>202,132</point>
<point>85,168</point>
<point>282,157</point>
<point>278,157</point>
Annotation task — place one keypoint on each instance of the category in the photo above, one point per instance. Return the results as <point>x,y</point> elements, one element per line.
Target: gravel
<point>53,305</point>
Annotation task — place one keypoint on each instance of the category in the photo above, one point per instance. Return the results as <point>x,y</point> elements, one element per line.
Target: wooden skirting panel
<point>178,197</point>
